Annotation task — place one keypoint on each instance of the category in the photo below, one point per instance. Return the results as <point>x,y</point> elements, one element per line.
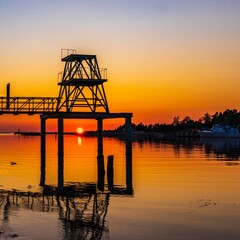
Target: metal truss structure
<point>28,105</point>
<point>81,84</point>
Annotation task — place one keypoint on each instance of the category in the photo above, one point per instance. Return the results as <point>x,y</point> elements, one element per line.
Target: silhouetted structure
<point>81,95</point>
<point>82,207</point>
<point>81,87</point>
<point>82,84</point>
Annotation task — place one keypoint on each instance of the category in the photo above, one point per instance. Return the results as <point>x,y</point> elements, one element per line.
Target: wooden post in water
<point>101,172</point>
<point>128,129</point>
<point>43,151</point>
<point>60,154</point>
<point>100,158</point>
<point>110,173</point>
<point>100,136</point>
<point>129,173</point>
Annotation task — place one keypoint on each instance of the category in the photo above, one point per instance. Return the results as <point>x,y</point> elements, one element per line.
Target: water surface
<point>180,190</point>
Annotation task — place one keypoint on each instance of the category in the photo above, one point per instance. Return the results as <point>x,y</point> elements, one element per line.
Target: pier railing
<point>84,74</point>
<point>29,105</point>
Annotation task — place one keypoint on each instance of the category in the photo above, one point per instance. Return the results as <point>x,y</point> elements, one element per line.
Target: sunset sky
<point>165,58</point>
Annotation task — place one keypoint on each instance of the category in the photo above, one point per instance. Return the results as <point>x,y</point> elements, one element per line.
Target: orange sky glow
<point>164,58</point>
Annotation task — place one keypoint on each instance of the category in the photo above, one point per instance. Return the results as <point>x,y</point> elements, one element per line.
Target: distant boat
<point>220,131</point>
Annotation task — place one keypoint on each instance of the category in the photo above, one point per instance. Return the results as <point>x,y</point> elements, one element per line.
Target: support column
<point>101,172</point>
<point>43,151</point>
<point>60,154</point>
<point>128,128</point>
<point>100,158</point>
<point>100,136</point>
<point>110,173</point>
<point>129,173</point>
<point>128,135</point>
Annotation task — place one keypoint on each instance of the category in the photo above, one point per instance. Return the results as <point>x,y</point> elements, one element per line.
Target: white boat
<point>220,131</point>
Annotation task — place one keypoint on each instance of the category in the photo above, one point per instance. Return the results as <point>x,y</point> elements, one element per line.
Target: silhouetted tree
<point>176,121</point>
<point>228,117</point>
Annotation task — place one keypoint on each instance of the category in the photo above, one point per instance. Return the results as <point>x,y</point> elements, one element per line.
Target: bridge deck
<point>86,115</point>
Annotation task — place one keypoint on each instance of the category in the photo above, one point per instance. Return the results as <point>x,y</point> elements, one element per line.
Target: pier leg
<point>110,173</point>
<point>128,129</point>
<point>129,173</point>
<point>43,152</point>
<point>100,136</point>
<point>101,172</point>
<point>60,154</point>
<point>129,166</point>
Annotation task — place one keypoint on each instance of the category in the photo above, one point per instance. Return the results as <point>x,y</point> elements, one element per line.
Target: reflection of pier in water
<point>82,213</point>
<point>81,207</point>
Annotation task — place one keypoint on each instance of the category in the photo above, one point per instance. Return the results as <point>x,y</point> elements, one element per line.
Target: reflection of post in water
<point>43,152</point>
<point>83,218</point>
<point>6,210</point>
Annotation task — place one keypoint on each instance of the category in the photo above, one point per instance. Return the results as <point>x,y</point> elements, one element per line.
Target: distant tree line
<point>228,117</point>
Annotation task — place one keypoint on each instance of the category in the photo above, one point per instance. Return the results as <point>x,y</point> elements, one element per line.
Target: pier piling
<point>110,173</point>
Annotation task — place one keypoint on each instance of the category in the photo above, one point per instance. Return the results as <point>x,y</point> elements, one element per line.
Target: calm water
<point>173,190</point>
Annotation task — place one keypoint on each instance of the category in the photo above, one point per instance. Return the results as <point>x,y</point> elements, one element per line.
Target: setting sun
<point>79,130</point>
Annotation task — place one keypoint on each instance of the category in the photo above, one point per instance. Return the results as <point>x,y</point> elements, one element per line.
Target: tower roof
<point>77,57</point>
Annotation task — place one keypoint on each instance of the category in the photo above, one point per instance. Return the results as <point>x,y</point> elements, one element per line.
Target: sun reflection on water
<point>79,141</point>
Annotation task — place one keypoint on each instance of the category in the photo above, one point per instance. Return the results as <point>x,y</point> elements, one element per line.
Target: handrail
<point>29,105</point>
<point>82,75</point>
